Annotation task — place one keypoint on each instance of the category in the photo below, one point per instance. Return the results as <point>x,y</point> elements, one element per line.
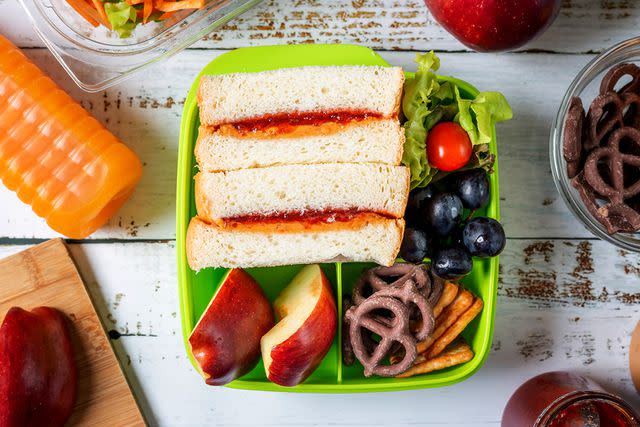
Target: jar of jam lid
<point>563,399</point>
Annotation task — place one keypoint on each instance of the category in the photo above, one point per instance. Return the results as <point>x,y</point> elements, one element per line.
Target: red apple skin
<point>226,340</point>
<point>494,25</point>
<point>38,376</point>
<point>295,359</point>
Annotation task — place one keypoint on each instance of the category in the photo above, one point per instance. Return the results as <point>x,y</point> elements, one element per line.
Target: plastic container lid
<point>97,58</point>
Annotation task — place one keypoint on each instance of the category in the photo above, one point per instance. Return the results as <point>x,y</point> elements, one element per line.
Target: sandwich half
<point>299,166</point>
<point>301,191</point>
<point>363,238</point>
<point>300,95</point>
<point>359,141</point>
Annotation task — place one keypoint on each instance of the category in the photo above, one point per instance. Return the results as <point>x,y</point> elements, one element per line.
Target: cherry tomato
<point>448,146</point>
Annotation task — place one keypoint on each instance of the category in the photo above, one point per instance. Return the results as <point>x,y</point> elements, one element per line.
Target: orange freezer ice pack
<point>56,157</point>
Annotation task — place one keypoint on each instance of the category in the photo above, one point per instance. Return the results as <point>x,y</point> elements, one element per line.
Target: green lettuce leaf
<point>416,108</point>
<point>427,102</point>
<point>418,91</point>
<point>122,17</point>
<point>477,116</point>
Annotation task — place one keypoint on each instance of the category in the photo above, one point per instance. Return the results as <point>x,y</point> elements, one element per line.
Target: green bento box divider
<point>339,296</point>
<point>197,289</point>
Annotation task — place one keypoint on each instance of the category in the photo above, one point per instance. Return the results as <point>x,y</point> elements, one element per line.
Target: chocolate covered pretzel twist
<point>348,356</point>
<point>398,275</point>
<point>572,136</point>
<point>602,150</point>
<point>437,287</point>
<point>615,213</point>
<point>613,76</point>
<point>378,278</point>
<point>391,330</point>
<point>631,102</point>
<point>409,295</point>
<point>415,289</point>
<point>604,116</point>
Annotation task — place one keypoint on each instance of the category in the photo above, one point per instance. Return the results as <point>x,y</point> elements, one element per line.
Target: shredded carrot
<point>166,15</point>
<point>85,11</point>
<point>94,12</point>
<point>172,6</point>
<point>101,12</point>
<point>148,10</point>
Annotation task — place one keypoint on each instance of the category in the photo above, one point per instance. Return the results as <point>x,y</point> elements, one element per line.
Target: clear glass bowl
<point>586,86</point>
<point>97,58</point>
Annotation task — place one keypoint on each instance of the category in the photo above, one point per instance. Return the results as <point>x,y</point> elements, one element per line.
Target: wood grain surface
<point>45,275</point>
<point>546,319</point>
<point>583,25</point>
<point>145,113</point>
<point>566,300</point>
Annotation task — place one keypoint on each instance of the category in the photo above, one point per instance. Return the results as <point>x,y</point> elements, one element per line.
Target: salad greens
<point>122,17</point>
<point>428,101</point>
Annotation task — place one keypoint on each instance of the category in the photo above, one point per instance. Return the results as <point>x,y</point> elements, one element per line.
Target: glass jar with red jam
<point>562,399</point>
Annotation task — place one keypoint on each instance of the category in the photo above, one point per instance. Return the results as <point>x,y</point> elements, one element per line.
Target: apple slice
<point>226,339</point>
<point>294,348</point>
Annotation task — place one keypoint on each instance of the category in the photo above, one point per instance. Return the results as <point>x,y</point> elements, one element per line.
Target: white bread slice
<point>367,238</point>
<point>274,190</point>
<point>370,141</point>
<point>235,97</point>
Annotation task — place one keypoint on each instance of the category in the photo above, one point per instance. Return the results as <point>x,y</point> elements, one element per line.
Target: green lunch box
<point>196,289</point>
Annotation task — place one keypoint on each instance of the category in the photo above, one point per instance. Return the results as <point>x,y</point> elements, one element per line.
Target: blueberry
<point>473,188</point>
<point>451,262</point>
<point>484,237</point>
<point>415,245</point>
<point>417,200</point>
<point>442,213</point>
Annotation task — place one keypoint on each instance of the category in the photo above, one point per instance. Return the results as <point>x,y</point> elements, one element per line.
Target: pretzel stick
<point>460,304</point>
<point>451,333</point>
<point>449,293</point>
<point>456,354</point>
<point>456,329</point>
<point>454,301</point>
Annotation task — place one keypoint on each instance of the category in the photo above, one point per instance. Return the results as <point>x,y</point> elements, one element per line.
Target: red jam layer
<point>284,122</point>
<point>309,216</point>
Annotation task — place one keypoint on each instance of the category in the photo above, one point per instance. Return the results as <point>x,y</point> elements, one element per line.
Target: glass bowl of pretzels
<point>595,146</point>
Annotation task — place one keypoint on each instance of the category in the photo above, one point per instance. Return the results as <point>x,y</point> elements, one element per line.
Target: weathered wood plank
<point>553,313</point>
<point>582,26</point>
<point>146,112</point>
<point>563,304</point>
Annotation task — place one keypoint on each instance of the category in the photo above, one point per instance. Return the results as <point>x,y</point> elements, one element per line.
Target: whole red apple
<point>38,377</point>
<point>494,25</point>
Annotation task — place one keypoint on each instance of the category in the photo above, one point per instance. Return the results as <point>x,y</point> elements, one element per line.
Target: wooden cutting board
<point>45,275</point>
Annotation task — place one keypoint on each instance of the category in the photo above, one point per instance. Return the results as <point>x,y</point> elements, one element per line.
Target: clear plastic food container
<point>97,58</point>
<point>586,86</point>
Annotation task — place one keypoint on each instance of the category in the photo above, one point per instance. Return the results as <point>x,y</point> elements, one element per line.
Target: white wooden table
<point>566,300</point>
